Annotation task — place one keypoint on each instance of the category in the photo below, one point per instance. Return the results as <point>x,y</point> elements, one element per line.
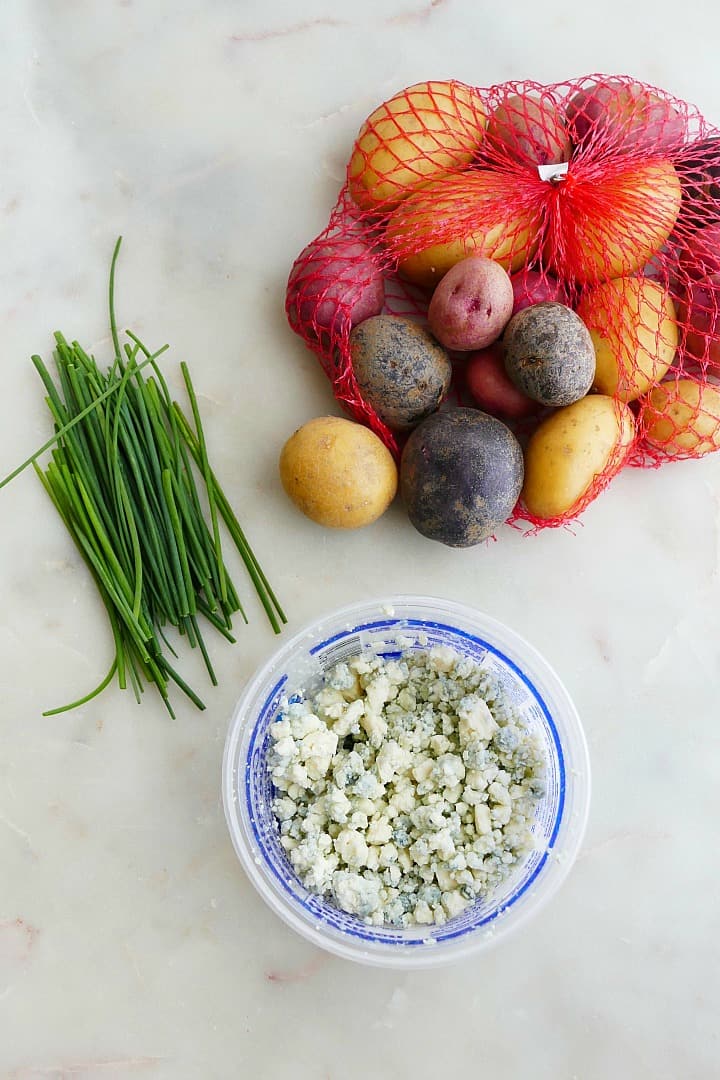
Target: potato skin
<point>338,473</point>
<point>683,418</point>
<point>471,305</point>
<point>633,324</point>
<point>446,220</point>
<point>490,387</point>
<point>531,287</point>
<point>636,208</point>
<point>529,130</point>
<point>401,370</point>
<point>460,476</point>
<point>623,115</point>
<point>421,133</point>
<point>570,449</point>
<point>549,354</point>
<point>332,280</point>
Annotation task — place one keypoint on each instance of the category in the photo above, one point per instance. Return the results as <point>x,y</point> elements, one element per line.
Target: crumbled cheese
<point>429,806</point>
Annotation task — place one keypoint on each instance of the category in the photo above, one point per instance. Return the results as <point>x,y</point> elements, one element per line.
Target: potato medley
<point>548,255</point>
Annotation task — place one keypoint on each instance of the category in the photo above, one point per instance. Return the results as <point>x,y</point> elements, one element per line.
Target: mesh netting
<point>621,222</point>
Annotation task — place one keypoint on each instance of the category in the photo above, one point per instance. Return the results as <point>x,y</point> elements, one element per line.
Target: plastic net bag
<point>602,194</point>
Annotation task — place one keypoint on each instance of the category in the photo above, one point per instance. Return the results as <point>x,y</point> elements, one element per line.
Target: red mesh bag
<point>603,193</point>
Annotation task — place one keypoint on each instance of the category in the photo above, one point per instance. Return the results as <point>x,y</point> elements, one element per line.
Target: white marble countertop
<point>213,136</point>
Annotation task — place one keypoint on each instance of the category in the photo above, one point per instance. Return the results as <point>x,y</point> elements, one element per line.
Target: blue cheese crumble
<point>405,789</point>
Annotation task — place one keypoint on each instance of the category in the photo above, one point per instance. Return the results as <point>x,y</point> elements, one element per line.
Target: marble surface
<point>213,136</point>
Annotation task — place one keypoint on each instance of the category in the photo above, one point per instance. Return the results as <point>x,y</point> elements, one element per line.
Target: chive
<point>111,302</point>
<point>191,495</point>
<point>203,650</point>
<point>179,542</point>
<point>71,423</point>
<point>262,586</point>
<point>204,466</point>
<point>126,474</point>
<point>87,697</point>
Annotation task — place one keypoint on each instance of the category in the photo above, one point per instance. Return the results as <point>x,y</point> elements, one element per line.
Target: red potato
<point>531,287</point>
<point>529,130</point>
<point>471,305</point>
<point>627,116</point>
<point>334,281</point>
<point>699,310</point>
<point>490,387</point>
<point>700,255</point>
<point>700,179</point>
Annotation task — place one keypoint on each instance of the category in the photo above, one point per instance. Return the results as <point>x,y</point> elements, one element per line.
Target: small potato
<point>683,418</point>
<point>624,116</point>
<point>401,371</point>
<point>633,325</point>
<point>700,179</point>
<point>549,354</point>
<point>471,305</point>
<point>333,282</point>
<point>490,387</point>
<point>570,450</point>
<point>532,287</point>
<point>698,310</point>
<point>338,473</point>
<point>529,130</point>
<point>421,133</point>
<point>461,473</point>
<point>473,213</point>
<point>635,205</point>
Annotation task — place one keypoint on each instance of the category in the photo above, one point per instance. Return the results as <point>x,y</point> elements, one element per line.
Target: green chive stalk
<point>126,474</point>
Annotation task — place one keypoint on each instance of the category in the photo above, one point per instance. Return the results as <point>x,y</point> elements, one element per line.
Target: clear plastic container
<point>536,691</point>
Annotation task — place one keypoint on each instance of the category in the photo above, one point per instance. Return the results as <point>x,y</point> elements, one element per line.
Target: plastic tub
<point>535,689</point>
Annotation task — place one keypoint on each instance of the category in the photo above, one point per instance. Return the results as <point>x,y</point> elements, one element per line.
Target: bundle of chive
<point>121,476</point>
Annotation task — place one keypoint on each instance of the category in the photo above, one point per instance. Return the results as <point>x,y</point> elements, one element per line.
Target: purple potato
<point>461,475</point>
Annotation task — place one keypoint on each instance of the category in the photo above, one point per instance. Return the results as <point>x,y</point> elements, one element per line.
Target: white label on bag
<point>552,172</point>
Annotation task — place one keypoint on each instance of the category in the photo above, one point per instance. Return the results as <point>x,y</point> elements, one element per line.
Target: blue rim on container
<point>535,690</point>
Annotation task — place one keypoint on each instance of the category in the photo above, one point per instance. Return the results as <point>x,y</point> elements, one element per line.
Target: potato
<point>632,322</point>
<point>338,473</point>
<point>549,354</point>
<point>532,287</point>
<point>611,226</point>
<point>700,252</point>
<point>401,371</point>
<point>683,418</point>
<point>471,305</point>
<point>334,280</point>
<point>460,476</point>
<point>475,213</point>
<point>529,130</point>
<point>698,310</point>
<point>490,387</point>
<point>700,179</point>
<point>623,116</point>
<point>573,448</point>
<point>421,133</point>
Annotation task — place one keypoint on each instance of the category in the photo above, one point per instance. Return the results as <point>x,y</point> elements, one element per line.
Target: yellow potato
<point>428,130</point>
<point>683,417</point>
<point>632,322</point>
<point>471,214</point>
<point>572,448</point>
<point>611,226</point>
<point>338,473</point>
